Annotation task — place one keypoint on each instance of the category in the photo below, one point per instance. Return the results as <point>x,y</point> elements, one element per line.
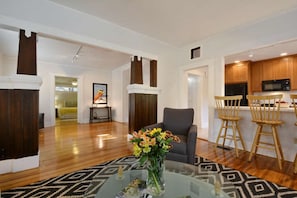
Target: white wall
<point>86,78</point>
<point>215,48</point>
<point>118,93</point>
<point>9,65</point>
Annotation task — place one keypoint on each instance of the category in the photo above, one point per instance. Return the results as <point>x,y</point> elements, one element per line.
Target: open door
<point>65,100</point>
<point>197,98</point>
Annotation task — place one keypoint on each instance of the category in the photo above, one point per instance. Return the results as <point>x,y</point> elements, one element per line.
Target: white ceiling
<point>180,22</point>
<point>177,23</point>
<point>63,52</point>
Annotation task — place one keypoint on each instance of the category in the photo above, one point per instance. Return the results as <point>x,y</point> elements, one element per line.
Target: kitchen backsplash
<point>286,94</point>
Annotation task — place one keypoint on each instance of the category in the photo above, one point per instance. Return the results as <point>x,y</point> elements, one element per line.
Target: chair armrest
<point>156,125</point>
<point>191,141</point>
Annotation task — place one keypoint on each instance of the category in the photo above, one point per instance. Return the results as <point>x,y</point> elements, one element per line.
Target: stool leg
<point>240,137</point>
<point>255,143</point>
<point>295,164</point>
<point>225,132</point>
<point>220,132</point>
<point>277,146</point>
<point>234,137</point>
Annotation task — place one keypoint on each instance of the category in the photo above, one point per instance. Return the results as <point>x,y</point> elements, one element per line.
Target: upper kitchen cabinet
<point>294,73</point>
<point>278,68</point>
<point>256,76</point>
<point>236,72</point>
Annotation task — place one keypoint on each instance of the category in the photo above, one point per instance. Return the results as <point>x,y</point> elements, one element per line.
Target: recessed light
<point>237,61</point>
<point>251,55</point>
<point>284,54</point>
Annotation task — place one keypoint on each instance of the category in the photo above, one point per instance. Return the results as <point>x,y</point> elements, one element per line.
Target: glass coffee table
<point>181,181</point>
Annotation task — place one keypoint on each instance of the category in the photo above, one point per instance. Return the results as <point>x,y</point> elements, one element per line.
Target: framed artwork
<point>99,93</point>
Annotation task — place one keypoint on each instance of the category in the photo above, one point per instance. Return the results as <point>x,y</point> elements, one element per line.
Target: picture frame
<point>99,93</point>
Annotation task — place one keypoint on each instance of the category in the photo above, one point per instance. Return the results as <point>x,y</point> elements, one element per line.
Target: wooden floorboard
<point>70,147</point>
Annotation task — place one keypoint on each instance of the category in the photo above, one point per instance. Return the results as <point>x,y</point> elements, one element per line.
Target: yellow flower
<point>137,150</point>
<point>165,147</point>
<point>163,135</point>
<point>155,130</point>
<point>147,149</point>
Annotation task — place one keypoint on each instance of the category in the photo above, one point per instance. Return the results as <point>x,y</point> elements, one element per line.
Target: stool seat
<point>228,110</point>
<point>230,118</point>
<point>269,122</point>
<point>265,111</point>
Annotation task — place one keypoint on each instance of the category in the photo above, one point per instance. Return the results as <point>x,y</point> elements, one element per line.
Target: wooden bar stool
<point>294,103</point>
<point>265,111</point>
<point>228,110</point>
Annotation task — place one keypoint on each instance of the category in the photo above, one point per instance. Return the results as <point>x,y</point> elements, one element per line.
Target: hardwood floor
<point>69,147</point>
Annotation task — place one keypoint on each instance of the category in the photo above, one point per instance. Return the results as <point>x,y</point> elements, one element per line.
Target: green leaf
<point>143,159</point>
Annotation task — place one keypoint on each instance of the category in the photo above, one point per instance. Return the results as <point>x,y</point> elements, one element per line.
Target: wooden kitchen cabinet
<point>236,73</point>
<point>278,68</point>
<point>293,75</point>
<point>267,68</point>
<point>256,76</point>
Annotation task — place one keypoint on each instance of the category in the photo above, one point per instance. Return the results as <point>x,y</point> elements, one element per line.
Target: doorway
<point>65,100</point>
<point>198,98</point>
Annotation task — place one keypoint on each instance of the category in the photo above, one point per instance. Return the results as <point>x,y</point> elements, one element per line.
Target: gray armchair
<point>180,123</point>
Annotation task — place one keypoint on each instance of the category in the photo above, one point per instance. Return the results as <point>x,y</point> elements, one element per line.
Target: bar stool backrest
<point>228,106</point>
<point>265,108</point>
<point>294,103</point>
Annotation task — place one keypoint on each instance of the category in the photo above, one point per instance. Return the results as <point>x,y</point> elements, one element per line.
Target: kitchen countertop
<point>282,109</point>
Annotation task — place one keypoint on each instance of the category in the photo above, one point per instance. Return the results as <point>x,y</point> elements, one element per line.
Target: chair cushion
<point>178,121</point>
<point>181,147</point>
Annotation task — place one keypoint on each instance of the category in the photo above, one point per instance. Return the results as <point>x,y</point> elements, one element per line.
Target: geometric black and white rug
<point>77,184</point>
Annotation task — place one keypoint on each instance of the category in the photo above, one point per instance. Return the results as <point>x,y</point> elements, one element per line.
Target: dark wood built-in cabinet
<point>143,110</point>
<point>100,114</point>
<point>19,123</point>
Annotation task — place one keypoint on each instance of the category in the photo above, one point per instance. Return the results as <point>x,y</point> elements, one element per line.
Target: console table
<point>100,114</point>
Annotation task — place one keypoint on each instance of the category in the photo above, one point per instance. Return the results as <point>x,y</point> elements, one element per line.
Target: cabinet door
<point>279,68</point>
<point>240,73</point>
<point>5,132</point>
<point>256,76</point>
<point>294,73</point>
<point>143,110</point>
<point>19,123</point>
<point>24,117</point>
<point>282,68</point>
<point>267,70</point>
<point>228,74</point>
<point>236,73</point>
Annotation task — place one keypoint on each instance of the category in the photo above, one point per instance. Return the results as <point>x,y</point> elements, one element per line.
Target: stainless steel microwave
<point>276,85</point>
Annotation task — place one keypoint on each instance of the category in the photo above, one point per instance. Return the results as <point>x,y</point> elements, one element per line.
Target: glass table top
<point>181,181</point>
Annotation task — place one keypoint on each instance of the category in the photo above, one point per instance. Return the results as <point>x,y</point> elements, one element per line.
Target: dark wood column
<point>153,73</point>
<point>136,71</point>
<point>20,108</point>
<point>27,54</point>
<point>142,106</point>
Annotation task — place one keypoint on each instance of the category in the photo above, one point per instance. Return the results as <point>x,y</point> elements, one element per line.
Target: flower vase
<point>155,178</point>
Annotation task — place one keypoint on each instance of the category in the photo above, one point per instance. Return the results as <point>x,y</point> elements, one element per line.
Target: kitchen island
<point>287,132</point>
